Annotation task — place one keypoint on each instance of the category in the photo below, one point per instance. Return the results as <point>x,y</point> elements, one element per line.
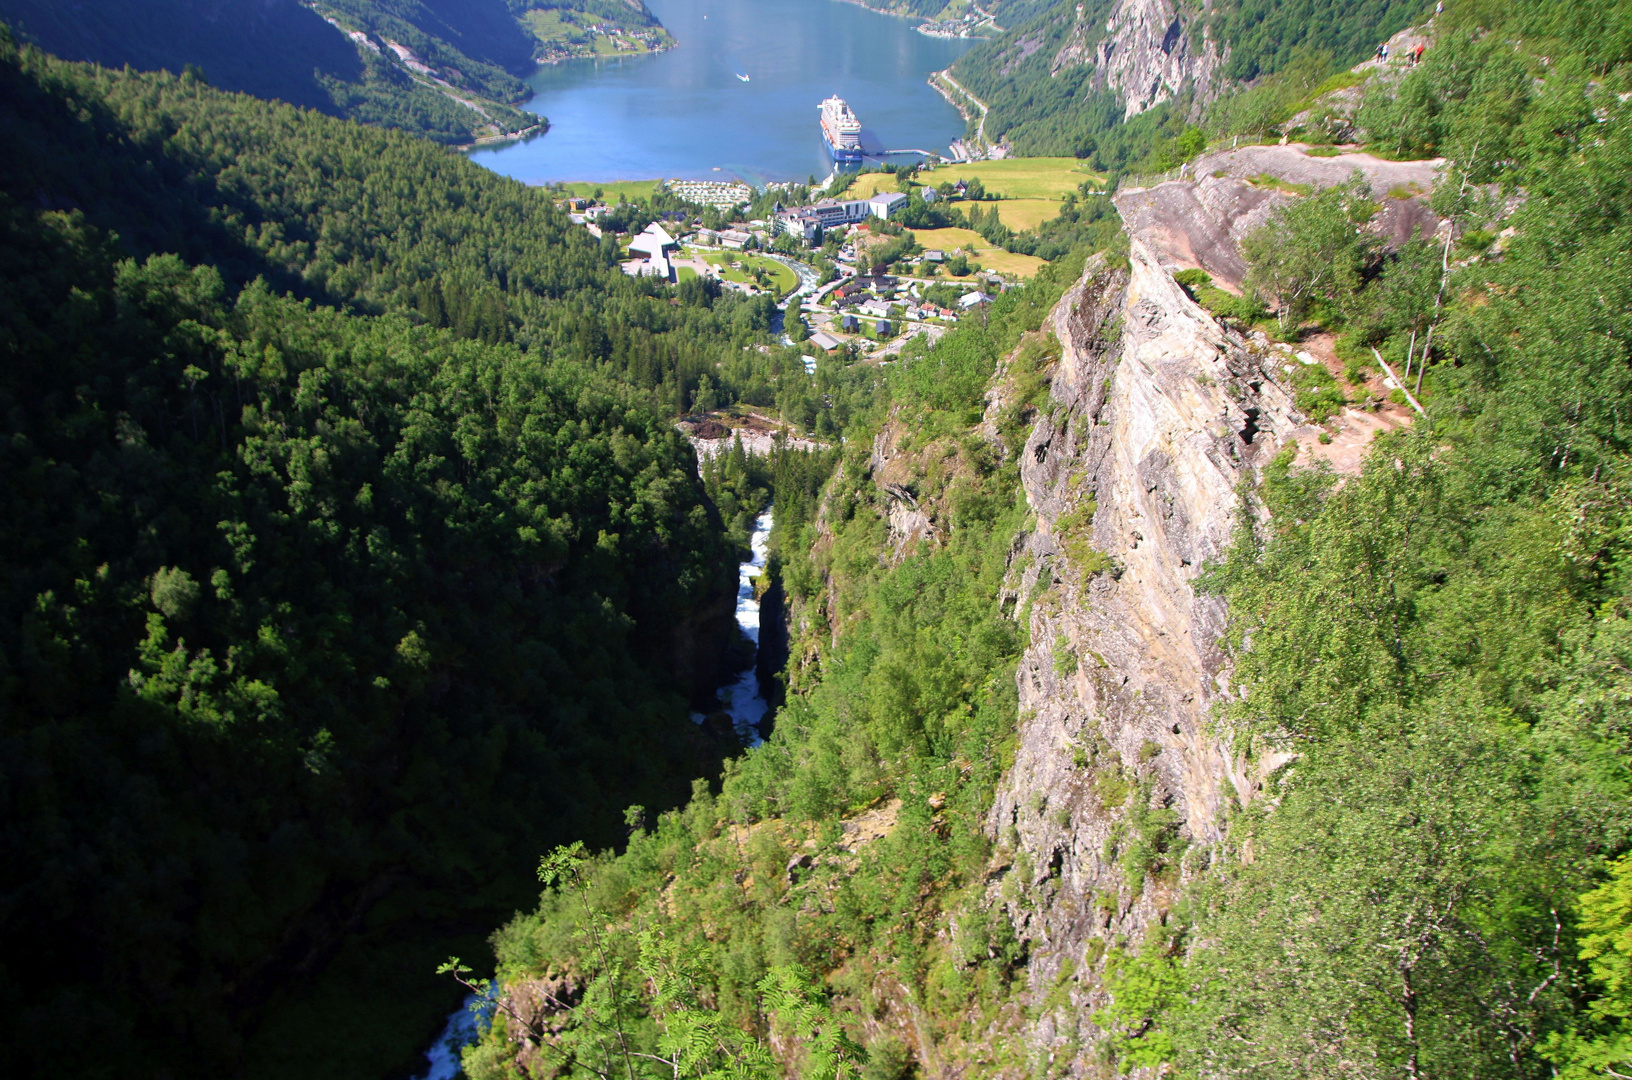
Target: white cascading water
<point>747,707</point>
<point>742,698</point>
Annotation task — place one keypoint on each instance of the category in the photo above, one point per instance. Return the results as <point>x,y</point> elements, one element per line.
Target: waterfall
<point>747,707</point>
<point>742,699</point>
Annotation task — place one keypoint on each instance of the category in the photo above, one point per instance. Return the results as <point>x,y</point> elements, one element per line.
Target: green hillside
<point>1044,107</point>
<point>1434,881</point>
<point>450,70</point>
<point>356,589</point>
<point>351,561</point>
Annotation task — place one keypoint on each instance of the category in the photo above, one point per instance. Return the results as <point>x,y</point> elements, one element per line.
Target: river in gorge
<point>689,113</point>
<point>747,707</point>
<point>743,699</point>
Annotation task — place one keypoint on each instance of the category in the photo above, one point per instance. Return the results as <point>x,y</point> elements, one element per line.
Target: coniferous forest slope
<point>350,560</point>
<point>1121,82</point>
<point>1378,827</point>
<point>451,70</point>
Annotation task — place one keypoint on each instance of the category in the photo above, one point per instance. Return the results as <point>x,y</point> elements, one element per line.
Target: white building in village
<point>886,203</point>
<point>807,221</point>
<point>657,247</point>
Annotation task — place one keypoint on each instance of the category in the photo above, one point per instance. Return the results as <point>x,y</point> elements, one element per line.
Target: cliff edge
<point>1157,416</point>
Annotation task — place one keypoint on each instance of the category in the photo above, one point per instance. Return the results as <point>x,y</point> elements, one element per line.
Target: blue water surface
<point>686,113</point>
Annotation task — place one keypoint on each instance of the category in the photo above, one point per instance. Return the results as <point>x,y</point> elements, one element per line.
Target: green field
<point>1028,190</point>
<point>866,185</point>
<point>1023,214</point>
<point>989,257</point>
<point>1021,178</point>
<point>783,280</point>
<point>611,189</point>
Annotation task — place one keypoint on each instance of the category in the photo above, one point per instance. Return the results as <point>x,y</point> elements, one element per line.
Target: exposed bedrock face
<point>1144,52</point>
<point>1201,219</point>
<point>1158,415</point>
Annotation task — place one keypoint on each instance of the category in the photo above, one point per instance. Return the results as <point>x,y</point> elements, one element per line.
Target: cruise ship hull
<point>844,155</point>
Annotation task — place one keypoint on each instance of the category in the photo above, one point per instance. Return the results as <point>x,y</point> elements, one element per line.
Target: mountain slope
<point>447,69</point>
<point>324,613</point>
<point>269,48</point>
<point>1061,83</point>
<point>1132,731</point>
<point>286,50</point>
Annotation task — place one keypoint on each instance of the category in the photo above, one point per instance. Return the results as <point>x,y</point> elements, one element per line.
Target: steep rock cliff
<point>1147,52</point>
<point>1157,415</point>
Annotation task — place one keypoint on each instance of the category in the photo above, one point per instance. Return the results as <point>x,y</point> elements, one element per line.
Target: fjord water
<point>687,112</point>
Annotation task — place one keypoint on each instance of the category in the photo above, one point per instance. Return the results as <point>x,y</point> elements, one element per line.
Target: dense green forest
<point>477,52</point>
<point>351,560</point>
<point>756,886</point>
<point>1435,885</point>
<point>1047,107</point>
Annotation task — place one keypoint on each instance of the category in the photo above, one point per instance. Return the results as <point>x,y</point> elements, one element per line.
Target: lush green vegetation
<point>288,51</point>
<point>1041,112</point>
<point>351,560</point>
<point>1433,879</point>
<point>366,220</point>
<point>476,51</point>
<point>1443,643</point>
<point>901,697</point>
<point>587,28</point>
<point>233,49</point>
<point>1268,35</point>
<point>1285,48</point>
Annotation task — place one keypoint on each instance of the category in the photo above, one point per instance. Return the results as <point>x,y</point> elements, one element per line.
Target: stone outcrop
<point>1201,219</point>
<point>1157,416</point>
<point>1147,52</point>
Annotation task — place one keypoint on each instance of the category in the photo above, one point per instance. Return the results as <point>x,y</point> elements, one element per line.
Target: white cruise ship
<point>841,129</point>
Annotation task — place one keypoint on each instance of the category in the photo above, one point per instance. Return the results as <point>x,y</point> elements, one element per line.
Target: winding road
<point>980,131</point>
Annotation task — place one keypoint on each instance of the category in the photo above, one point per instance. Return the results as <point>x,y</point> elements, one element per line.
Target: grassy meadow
<point>1020,178</point>
<point>989,257</point>
<point>611,189</point>
<point>783,280</point>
